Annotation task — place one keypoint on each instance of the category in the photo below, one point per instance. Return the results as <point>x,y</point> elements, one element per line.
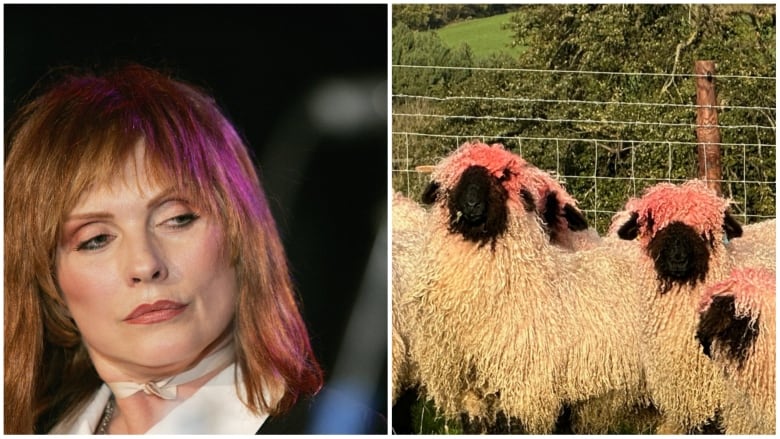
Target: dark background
<point>306,85</point>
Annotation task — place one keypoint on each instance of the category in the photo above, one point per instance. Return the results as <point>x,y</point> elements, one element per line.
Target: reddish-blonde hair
<point>76,136</point>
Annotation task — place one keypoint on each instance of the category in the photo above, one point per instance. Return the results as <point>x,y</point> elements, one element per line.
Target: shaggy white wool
<point>604,379</point>
<point>410,222</point>
<point>757,247</point>
<point>481,325</point>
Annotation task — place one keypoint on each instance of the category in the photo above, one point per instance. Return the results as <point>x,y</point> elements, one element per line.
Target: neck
<point>138,413</point>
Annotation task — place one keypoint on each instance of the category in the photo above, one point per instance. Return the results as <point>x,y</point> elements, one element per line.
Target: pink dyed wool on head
<point>541,183</point>
<point>691,203</point>
<point>750,287</point>
<point>499,162</point>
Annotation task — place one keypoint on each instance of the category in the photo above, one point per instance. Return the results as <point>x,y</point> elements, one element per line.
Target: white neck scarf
<point>165,388</point>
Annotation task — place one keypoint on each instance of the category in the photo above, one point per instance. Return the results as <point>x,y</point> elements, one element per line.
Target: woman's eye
<point>95,243</point>
<point>181,221</point>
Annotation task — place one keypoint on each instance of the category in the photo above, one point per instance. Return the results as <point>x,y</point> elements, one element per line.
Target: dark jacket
<point>329,412</point>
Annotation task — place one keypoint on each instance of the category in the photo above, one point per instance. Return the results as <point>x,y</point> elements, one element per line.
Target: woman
<point>146,287</point>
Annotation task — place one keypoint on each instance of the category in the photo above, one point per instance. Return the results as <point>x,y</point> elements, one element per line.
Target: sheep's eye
<point>505,175</point>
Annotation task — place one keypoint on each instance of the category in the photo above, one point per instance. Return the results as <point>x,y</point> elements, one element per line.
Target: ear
<point>575,218</point>
<point>551,207</point>
<point>430,193</point>
<point>630,229</point>
<point>528,200</point>
<point>731,226</point>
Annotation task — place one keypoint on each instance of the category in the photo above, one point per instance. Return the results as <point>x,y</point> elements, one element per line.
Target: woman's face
<point>143,275</point>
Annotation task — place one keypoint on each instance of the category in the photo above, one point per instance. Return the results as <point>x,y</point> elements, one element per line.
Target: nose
<point>678,254</point>
<point>472,203</point>
<point>472,195</point>
<point>145,261</point>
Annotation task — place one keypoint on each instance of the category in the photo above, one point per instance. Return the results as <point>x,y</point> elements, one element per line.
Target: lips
<point>156,312</point>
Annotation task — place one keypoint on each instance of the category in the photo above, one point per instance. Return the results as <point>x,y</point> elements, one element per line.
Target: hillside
<point>483,35</point>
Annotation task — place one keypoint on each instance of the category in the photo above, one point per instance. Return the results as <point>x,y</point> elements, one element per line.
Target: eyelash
<point>188,219</point>
<point>94,243</point>
<point>99,241</point>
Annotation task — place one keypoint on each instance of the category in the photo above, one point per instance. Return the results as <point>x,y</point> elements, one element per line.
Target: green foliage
<point>426,420</point>
<point>426,49</point>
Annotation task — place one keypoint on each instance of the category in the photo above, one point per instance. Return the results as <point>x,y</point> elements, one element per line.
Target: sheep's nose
<point>472,195</point>
<point>679,257</point>
<point>471,204</point>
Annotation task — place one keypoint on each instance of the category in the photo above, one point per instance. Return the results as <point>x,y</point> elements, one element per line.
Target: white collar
<point>215,408</point>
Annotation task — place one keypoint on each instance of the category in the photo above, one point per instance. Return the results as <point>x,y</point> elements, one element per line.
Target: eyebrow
<point>106,215</point>
<point>89,215</point>
<point>165,193</point>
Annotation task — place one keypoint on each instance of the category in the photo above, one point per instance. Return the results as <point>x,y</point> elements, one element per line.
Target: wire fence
<point>600,159</point>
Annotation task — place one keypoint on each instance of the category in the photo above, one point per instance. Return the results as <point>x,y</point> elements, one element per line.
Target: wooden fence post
<point>707,131</point>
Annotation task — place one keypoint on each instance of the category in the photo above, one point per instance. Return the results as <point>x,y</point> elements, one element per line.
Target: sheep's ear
<point>630,229</point>
<point>430,193</point>
<point>575,218</point>
<point>551,207</point>
<point>731,226</point>
<point>720,323</point>
<point>528,200</point>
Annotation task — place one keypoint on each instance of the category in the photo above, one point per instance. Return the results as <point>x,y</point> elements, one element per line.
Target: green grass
<point>484,35</point>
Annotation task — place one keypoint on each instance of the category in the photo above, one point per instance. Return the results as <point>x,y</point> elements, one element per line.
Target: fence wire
<point>427,127</point>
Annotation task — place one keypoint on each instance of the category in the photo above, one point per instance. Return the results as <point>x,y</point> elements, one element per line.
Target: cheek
<point>203,258</point>
<point>217,280</point>
<point>222,294</point>
<point>83,285</point>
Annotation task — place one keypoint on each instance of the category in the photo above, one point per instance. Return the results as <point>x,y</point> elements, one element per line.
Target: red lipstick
<point>156,312</point>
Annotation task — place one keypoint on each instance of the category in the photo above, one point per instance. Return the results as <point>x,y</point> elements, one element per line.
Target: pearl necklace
<point>108,414</point>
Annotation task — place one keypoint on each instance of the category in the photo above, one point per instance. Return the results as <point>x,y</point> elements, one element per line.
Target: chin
<point>169,357</point>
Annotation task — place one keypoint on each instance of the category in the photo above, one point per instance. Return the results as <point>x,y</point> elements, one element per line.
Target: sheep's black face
<point>477,206</point>
<point>681,256</point>
<point>734,334</point>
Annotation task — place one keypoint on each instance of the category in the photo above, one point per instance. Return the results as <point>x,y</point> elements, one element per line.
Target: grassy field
<point>483,35</point>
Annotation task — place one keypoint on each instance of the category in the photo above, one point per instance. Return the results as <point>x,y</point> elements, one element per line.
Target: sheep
<point>756,247</point>
<point>564,223</point>
<point>462,336</point>
<point>737,330</point>
<point>404,381</point>
<point>496,322</point>
<point>409,222</point>
<point>680,230</point>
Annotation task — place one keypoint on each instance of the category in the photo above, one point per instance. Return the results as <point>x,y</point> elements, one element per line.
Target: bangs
<point>100,160</point>
<point>179,129</point>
